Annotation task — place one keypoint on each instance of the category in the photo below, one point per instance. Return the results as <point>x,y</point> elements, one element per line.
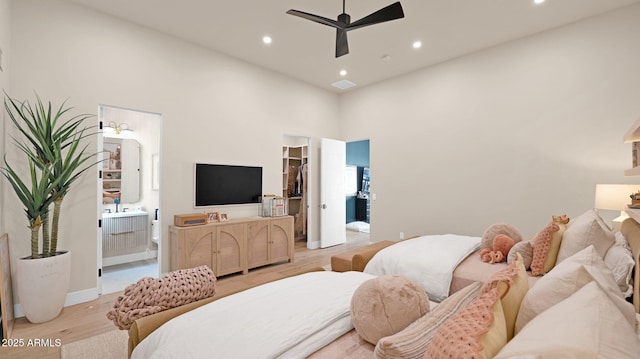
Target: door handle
<point>324,206</point>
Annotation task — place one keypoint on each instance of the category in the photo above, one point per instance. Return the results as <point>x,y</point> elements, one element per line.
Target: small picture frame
<point>212,217</point>
<point>223,217</point>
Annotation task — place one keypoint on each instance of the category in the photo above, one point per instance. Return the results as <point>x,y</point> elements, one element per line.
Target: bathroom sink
<point>124,214</point>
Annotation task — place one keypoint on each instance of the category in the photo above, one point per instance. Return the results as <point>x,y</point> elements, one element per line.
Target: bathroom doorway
<point>129,197</point>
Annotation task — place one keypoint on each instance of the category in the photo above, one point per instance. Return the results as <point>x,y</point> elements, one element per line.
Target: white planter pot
<point>42,285</point>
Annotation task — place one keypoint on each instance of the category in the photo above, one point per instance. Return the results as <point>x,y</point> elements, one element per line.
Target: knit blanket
<point>152,295</point>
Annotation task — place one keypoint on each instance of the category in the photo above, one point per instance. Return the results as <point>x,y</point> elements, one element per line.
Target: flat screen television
<point>225,184</point>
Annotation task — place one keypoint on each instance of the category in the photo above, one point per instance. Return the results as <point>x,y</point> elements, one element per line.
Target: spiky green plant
<point>35,197</point>
<point>53,146</point>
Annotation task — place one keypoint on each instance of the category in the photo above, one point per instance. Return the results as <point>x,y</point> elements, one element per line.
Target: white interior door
<point>333,158</point>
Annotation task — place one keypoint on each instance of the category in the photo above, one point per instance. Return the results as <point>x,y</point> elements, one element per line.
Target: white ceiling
<point>305,50</point>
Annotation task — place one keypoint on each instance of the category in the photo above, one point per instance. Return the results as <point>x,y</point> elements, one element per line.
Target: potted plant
<point>56,160</point>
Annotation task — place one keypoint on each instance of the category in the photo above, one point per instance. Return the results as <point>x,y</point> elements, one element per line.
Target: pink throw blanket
<point>152,295</point>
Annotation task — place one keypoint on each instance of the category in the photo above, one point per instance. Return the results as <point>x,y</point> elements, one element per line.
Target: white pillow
<point>583,231</point>
<point>565,279</point>
<point>620,260</point>
<point>585,325</point>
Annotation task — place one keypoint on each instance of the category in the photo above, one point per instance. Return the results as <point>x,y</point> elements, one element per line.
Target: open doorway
<point>296,187</point>
<point>129,198</point>
<point>358,178</point>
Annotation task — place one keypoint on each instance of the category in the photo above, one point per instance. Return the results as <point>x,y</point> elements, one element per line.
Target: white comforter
<point>288,318</point>
<point>428,260</point>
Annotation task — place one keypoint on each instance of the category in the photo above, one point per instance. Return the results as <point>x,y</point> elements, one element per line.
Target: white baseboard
<point>313,245</point>
<point>140,256</point>
<point>73,298</point>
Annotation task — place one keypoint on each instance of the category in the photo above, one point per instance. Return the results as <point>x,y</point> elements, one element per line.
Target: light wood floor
<point>85,320</point>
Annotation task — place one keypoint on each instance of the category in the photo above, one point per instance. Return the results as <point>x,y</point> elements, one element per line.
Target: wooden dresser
<point>232,246</point>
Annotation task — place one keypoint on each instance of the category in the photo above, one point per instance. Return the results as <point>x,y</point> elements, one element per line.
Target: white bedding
<point>288,318</point>
<point>428,260</point>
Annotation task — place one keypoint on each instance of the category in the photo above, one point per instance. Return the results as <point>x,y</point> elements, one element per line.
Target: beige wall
<point>5,42</point>
<point>515,133</point>
<point>215,109</point>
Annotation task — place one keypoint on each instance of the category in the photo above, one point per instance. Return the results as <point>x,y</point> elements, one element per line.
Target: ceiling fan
<point>344,24</point>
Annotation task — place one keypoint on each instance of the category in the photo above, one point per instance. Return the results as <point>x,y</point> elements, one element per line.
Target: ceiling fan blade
<point>391,12</point>
<point>342,45</point>
<point>316,18</point>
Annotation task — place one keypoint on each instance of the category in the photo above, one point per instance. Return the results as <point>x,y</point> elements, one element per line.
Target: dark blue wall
<point>358,155</point>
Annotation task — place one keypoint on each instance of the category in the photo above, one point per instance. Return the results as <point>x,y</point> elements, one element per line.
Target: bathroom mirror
<point>121,170</point>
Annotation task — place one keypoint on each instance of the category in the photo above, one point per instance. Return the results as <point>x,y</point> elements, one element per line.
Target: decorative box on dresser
<point>232,246</point>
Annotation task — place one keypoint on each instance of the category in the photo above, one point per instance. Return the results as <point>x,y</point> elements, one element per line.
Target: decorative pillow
<point>512,284</point>
<point>385,305</point>
<point>585,325</point>
<point>583,231</point>
<point>565,279</point>
<point>620,260</point>
<point>546,245</point>
<point>541,244</point>
<point>478,330</point>
<point>526,251</point>
<point>499,228</point>
<point>556,241</point>
<point>152,295</point>
<point>411,342</point>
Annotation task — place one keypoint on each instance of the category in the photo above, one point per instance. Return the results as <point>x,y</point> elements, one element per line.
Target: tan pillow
<point>583,231</point>
<point>512,284</point>
<point>585,325</point>
<point>565,279</point>
<point>411,342</point>
<point>479,330</point>
<point>385,305</point>
<point>526,251</point>
<point>556,241</point>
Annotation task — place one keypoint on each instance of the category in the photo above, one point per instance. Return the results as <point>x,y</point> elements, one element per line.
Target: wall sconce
<point>118,128</point>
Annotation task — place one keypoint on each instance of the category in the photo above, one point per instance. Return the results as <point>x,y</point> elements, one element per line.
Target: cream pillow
<point>585,325</point>
<point>565,279</point>
<point>620,260</point>
<point>583,231</point>
<point>526,251</point>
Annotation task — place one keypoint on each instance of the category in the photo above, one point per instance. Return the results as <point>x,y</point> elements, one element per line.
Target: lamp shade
<point>614,196</point>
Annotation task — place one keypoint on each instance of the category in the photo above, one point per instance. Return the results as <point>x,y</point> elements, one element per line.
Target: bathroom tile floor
<point>117,277</point>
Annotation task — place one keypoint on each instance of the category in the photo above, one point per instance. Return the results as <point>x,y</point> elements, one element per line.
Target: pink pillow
<point>477,331</point>
<point>541,245</point>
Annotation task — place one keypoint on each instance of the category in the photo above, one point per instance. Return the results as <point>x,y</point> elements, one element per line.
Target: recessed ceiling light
<point>343,72</point>
<point>538,1</point>
<point>417,45</point>
<point>267,40</point>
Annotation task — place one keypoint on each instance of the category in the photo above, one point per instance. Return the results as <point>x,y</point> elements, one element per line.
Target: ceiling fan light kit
<point>344,24</point>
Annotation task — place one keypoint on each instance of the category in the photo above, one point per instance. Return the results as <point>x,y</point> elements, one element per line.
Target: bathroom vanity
<point>125,237</point>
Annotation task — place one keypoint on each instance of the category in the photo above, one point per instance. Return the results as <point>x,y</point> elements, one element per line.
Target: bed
<point>347,342</point>
<point>420,259</point>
